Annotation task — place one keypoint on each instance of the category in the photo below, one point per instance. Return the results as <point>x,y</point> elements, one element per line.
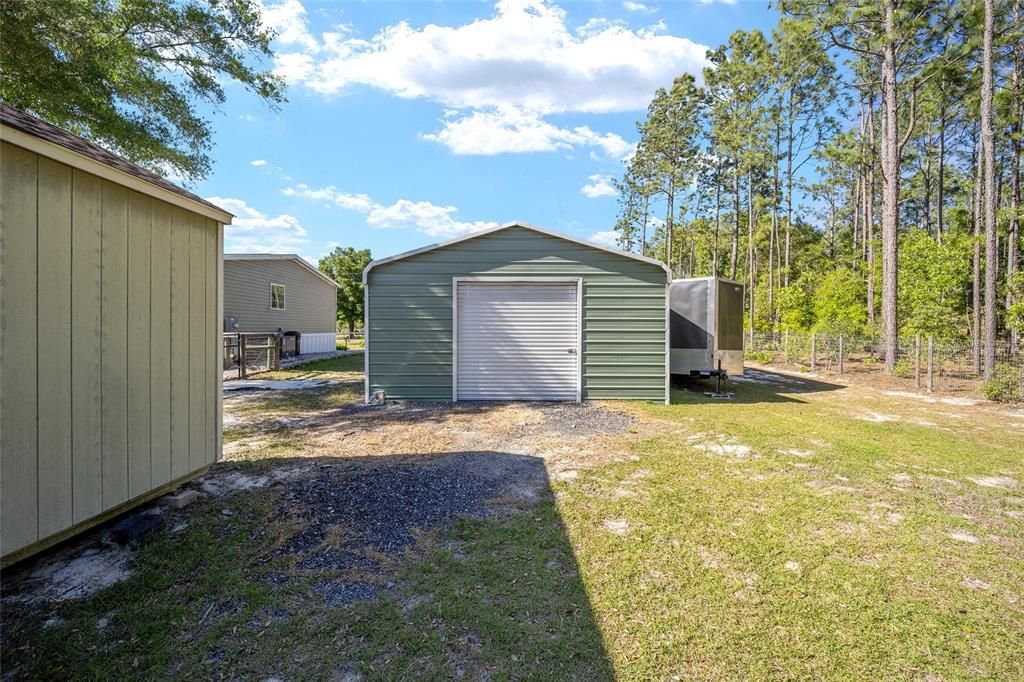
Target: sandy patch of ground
<point>878,417</point>
<point>567,436</point>
<point>72,573</point>
<point>616,526</point>
<point>720,445</point>
<point>993,481</point>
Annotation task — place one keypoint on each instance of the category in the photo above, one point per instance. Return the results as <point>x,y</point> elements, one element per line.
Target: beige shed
<point>110,321</point>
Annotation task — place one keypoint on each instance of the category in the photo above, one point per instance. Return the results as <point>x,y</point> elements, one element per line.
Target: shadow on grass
<point>755,386</point>
<point>425,566</point>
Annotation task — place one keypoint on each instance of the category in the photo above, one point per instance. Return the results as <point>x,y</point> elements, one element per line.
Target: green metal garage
<point>516,313</point>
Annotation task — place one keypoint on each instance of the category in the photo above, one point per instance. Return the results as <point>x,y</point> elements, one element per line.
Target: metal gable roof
<point>505,226</point>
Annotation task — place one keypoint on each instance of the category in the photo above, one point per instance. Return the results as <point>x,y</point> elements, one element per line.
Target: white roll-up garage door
<point>517,341</point>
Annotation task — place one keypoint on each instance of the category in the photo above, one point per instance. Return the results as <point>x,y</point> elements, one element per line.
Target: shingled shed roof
<point>36,128</point>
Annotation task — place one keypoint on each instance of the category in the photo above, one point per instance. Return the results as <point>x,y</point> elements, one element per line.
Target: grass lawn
<point>800,531</point>
<point>343,343</point>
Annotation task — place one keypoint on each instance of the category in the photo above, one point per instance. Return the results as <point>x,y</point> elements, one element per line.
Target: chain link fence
<point>922,362</point>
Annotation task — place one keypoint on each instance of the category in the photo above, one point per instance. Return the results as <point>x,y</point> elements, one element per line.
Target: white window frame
<point>578,281</point>
<point>284,296</point>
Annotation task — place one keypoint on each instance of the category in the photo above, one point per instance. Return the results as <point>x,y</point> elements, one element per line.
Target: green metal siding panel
<point>410,313</point>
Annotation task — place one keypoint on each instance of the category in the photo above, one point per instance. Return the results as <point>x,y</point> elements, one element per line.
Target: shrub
<point>761,357</point>
<point>1004,386</point>
<point>901,369</point>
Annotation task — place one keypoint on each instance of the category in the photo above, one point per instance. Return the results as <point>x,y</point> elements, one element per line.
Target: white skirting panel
<point>318,343</point>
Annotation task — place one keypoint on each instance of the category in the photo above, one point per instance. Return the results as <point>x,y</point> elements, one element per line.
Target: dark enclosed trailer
<point>706,325</point>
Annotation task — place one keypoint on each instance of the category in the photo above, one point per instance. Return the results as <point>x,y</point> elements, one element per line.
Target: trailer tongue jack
<point>721,377</point>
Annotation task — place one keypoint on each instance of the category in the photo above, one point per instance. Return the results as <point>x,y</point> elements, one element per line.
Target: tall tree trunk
<point>718,224</point>
<point>926,196</point>
<point>890,190</point>
<point>991,238</point>
<point>775,221</point>
<point>750,248</point>
<point>976,264</point>
<point>1013,238</point>
<point>869,215</point>
<point>941,203</point>
<point>789,189</point>
<point>670,202</point>
<point>832,224</point>
<point>856,202</point>
<point>734,261</point>
<point>643,227</point>
<point>859,189</point>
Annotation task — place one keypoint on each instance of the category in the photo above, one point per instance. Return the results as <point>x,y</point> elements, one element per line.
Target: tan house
<point>269,292</point>
<point>110,321</point>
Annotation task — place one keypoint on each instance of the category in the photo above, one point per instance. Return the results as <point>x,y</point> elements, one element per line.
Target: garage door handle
<point>572,351</point>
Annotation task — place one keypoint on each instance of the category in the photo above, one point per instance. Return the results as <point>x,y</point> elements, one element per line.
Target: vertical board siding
<point>109,312</point>
<point>114,344</point>
<point>140,223</point>
<point>86,370</point>
<point>311,304</point>
<point>218,283</point>
<point>197,331</point>
<point>54,347</point>
<point>410,317</point>
<point>179,343</point>
<point>210,354</point>
<point>19,513</point>
<point>160,344</point>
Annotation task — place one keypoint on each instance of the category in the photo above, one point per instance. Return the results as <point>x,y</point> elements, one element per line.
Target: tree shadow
<point>755,386</point>
<point>440,565</point>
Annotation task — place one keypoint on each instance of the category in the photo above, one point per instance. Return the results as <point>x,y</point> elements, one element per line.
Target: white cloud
<point>608,238</point>
<point>257,163</point>
<point>711,2</point>
<point>631,6</point>
<point>252,231</point>
<point>599,186</point>
<point>288,19</point>
<point>353,202</point>
<point>524,55</point>
<point>511,129</point>
<point>431,219</point>
<point>246,117</point>
<point>436,221</point>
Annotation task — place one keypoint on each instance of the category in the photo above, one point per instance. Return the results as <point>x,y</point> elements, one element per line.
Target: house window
<point>277,297</point>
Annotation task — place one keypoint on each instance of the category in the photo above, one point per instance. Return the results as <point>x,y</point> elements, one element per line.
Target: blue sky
<point>409,123</point>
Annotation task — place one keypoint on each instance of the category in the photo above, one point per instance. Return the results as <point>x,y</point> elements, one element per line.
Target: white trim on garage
<point>525,281</point>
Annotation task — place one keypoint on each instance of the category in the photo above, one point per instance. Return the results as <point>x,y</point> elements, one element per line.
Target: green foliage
<point>345,266</point>
<point>1015,314</point>
<point>934,281</point>
<point>839,306</point>
<point>1005,385</point>
<point>761,357</point>
<point>128,74</point>
<point>796,308</point>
